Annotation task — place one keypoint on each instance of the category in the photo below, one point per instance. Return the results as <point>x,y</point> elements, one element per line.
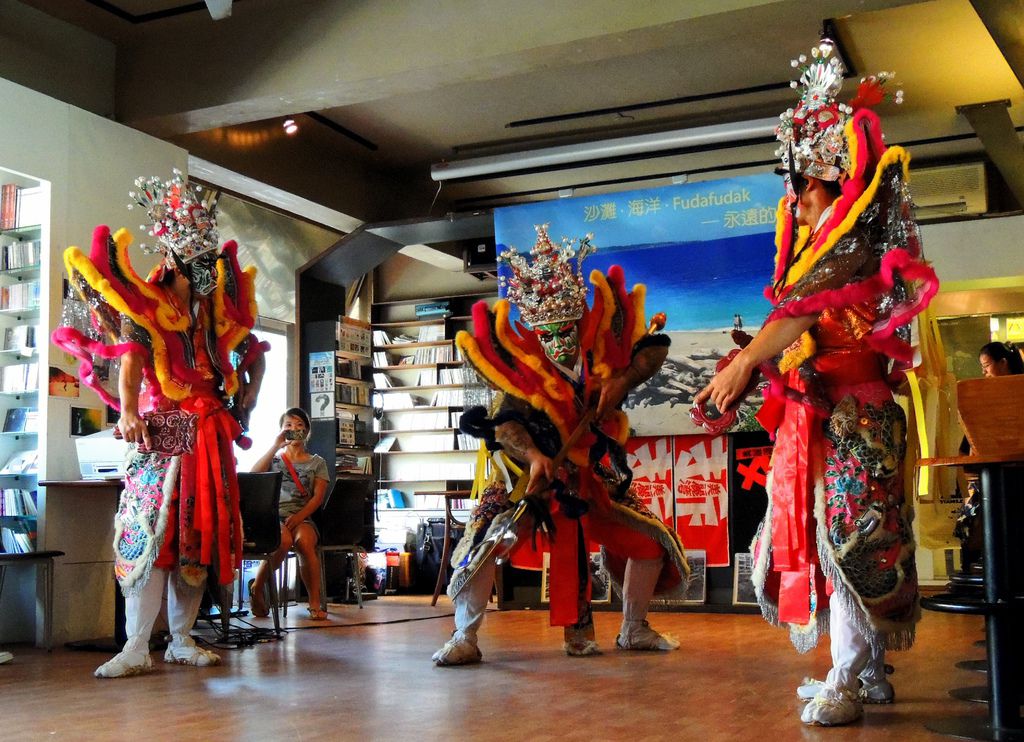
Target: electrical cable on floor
<point>238,637</point>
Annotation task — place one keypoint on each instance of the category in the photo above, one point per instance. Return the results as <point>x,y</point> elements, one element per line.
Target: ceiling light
<point>290,127</point>
<point>605,150</point>
<point>219,9</point>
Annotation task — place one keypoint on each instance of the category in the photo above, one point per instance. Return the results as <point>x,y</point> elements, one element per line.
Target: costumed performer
<point>190,372</point>
<point>835,552</point>
<point>556,435</point>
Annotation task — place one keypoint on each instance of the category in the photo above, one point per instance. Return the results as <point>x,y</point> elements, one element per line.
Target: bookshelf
<point>419,395</point>
<point>21,242</point>
<point>353,391</point>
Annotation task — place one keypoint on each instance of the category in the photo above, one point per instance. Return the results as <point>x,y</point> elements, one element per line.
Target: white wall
<point>91,164</point>
<point>980,248</point>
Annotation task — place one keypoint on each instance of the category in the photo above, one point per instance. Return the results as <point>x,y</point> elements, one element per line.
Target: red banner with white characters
<point>700,484</point>
<point>650,459</point>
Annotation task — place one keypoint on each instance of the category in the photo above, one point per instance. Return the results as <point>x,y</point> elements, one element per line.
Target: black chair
<point>259,498</point>
<point>343,530</point>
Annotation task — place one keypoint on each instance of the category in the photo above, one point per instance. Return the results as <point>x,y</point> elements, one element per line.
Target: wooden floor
<point>367,676</point>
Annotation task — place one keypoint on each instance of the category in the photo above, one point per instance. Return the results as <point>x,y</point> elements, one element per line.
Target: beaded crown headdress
<point>548,288</point>
<point>182,224</point>
<point>811,135</point>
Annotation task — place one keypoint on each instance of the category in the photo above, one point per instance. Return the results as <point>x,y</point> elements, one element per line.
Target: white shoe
<point>832,707</point>
<point>880,692</point>
<point>642,637</point>
<point>125,665</point>
<point>459,650</point>
<point>5,657</point>
<point>185,652</point>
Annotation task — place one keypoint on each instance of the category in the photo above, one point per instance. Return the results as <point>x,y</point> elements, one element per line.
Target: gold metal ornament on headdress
<point>184,226</point>
<point>548,288</point>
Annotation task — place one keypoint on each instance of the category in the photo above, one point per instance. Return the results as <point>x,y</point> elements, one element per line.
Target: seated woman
<point>303,487</point>
<point>1000,359</point>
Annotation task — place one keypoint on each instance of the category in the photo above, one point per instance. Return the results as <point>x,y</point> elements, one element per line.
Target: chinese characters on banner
<point>702,495</point>
<point>651,462</point>
<point>683,480</point>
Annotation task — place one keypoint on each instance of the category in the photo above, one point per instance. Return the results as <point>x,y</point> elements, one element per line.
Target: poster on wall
<point>705,252</point>
<point>321,385</point>
<point>702,495</point>
<point>650,460</point>
<point>749,462</point>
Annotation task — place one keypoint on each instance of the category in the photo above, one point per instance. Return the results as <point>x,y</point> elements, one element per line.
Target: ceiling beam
<point>335,53</point>
<point>1004,20</point>
<point>991,121</point>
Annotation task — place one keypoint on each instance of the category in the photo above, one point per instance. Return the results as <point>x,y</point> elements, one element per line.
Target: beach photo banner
<point>704,251</point>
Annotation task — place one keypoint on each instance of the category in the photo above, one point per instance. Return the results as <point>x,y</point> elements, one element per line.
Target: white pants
<point>142,610</point>
<point>638,589</point>
<point>853,655</point>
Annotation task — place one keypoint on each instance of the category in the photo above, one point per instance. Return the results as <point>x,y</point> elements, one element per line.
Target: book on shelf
<point>354,394</point>
<point>353,336</point>
<point>20,296</point>
<point>430,310</point>
<point>451,376</point>
<point>381,380</point>
<point>18,536</point>
<point>393,498</point>
<point>380,358</point>
<point>15,418</point>
<point>427,377</point>
<point>396,401</point>
<point>30,207</point>
<point>21,462</point>
<point>348,463</point>
<point>9,205</point>
<point>19,337</point>
<point>19,377</point>
<point>448,398</point>
<point>21,254</point>
<point>386,443</point>
<point>430,333</point>
<point>19,502</point>
<point>349,430</point>
<point>349,369</point>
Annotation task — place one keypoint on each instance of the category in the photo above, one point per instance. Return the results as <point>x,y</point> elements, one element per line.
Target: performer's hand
<point>133,428</point>
<point>728,384</point>
<point>541,473</point>
<point>292,522</point>
<point>248,397</point>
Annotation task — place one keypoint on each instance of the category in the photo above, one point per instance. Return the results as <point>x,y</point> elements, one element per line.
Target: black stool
<point>43,560</point>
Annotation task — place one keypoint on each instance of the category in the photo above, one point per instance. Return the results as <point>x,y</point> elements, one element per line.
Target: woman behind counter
<point>1000,359</point>
<point>303,486</point>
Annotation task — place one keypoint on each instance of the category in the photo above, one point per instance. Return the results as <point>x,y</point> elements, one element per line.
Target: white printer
<point>101,455</point>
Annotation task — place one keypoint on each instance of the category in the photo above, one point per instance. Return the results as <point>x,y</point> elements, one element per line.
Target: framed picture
<point>696,588</point>
<point>742,585</point>
<point>600,581</point>
<point>86,421</point>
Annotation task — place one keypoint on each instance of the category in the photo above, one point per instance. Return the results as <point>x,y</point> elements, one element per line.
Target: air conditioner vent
<point>949,190</point>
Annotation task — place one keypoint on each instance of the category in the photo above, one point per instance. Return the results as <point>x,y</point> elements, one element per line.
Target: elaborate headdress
<point>811,135</point>
<point>183,225</point>
<point>550,288</point>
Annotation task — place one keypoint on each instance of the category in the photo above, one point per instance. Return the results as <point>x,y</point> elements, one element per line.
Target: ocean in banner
<point>700,286</point>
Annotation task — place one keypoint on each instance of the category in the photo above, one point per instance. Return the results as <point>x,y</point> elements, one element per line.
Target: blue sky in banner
<point>704,250</point>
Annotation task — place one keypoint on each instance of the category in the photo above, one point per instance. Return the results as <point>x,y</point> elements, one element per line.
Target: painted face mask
<point>560,340</point>
<point>202,274</point>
